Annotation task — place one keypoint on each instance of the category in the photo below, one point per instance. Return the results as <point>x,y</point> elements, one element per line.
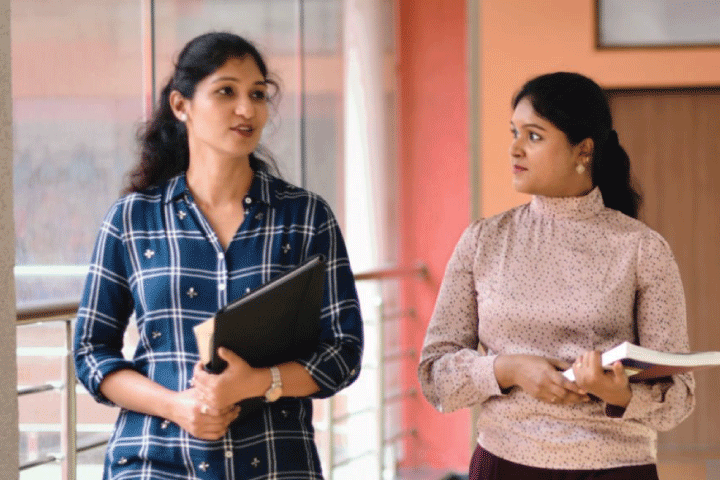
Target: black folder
<point>275,323</point>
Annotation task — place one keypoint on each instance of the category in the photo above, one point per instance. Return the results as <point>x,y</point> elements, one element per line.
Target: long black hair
<point>578,107</point>
<point>163,139</point>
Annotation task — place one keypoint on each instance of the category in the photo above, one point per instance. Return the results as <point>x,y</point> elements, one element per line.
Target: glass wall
<point>76,85</point>
<point>79,85</point>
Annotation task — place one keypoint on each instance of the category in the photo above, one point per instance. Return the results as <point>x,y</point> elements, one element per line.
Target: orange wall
<point>435,196</point>
<point>520,39</point>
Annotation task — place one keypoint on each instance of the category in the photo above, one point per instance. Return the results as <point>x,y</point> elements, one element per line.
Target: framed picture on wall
<point>657,24</point>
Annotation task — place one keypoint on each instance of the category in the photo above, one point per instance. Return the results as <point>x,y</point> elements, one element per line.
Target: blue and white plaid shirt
<point>157,257</point>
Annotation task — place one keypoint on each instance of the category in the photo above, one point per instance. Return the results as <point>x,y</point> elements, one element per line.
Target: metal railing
<point>65,312</point>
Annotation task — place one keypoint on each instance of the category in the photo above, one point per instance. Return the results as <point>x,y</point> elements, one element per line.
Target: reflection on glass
<point>76,89</point>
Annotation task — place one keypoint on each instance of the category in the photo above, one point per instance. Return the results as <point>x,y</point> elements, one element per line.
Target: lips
<point>244,130</point>
<point>519,169</point>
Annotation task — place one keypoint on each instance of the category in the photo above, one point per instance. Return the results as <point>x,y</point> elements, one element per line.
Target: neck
<point>220,180</point>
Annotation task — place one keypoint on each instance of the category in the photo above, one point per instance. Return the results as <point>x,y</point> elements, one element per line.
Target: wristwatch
<point>275,391</point>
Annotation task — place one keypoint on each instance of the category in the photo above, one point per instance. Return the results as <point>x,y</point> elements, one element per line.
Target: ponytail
<point>611,173</point>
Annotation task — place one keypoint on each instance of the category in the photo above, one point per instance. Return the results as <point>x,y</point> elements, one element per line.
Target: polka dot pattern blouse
<point>555,278</point>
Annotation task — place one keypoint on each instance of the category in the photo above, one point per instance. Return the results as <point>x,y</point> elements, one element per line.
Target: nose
<point>516,148</point>
<point>245,107</point>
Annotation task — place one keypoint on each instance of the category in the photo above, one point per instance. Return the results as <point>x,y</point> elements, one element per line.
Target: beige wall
<point>520,39</point>
<point>8,372</point>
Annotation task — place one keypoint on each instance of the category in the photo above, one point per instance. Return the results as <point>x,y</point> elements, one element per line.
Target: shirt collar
<point>585,206</point>
<point>261,188</point>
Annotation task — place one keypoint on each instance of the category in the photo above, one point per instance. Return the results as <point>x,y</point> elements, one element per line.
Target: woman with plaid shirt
<point>203,222</point>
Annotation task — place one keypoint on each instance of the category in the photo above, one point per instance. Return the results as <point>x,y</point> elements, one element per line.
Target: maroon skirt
<point>486,466</point>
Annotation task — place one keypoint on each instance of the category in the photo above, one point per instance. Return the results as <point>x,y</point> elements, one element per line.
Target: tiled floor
<point>429,474</point>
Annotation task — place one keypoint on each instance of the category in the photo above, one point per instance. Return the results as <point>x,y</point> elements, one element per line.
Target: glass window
<point>658,23</point>
<point>77,99</point>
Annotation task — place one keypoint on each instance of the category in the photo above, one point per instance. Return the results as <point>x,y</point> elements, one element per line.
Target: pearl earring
<point>183,117</point>
<point>580,168</point>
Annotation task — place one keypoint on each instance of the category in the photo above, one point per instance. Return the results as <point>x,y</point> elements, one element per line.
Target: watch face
<point>273,394</point>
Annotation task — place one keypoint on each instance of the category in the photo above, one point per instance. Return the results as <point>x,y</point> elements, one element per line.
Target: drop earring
<point>183,117</point>
<point>580,168</point>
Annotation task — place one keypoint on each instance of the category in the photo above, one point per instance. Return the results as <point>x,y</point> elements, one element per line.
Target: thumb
<point>559,364</point>
<point>619,369</point>
<point>227,354</point>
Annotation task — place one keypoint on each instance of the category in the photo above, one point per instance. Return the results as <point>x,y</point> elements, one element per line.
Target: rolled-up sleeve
<point>335,364</point>
<point>104,310</point>
<point>662,325</point>
<point>454,371</point>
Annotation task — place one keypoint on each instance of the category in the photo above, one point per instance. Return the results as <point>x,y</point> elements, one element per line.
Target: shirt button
<point>203,466</point>
<point>228,453</point>
<point>247,290</point>
<point>165,424</point>
<point>248,200</point>
<point>181,214</point>
<point>156,334</point>
<point>221,286</point>
<point>220,255</point>
<point>122,461</point>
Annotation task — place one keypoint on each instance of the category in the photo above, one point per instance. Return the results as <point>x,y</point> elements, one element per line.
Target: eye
<point>514,132</point>
<point>227,91</point>
<point>260,95</point>
<point>534,137</point>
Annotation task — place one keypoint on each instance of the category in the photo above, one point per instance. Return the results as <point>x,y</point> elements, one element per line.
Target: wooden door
<point>673,140</point>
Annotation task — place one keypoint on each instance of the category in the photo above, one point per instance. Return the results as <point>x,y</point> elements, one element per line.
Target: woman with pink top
<point>549,285</point>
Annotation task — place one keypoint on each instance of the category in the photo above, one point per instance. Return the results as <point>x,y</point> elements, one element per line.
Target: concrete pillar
<point>8,366</point>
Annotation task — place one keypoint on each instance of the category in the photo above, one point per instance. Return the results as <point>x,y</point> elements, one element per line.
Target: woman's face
<point>228,111</point>
<point>543,161</point>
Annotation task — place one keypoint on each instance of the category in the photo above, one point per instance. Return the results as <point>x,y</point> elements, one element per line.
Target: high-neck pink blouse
<point>555,278</point>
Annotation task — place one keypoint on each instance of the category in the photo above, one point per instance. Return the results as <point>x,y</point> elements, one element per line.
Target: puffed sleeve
<point>335,364</point>
<point>454,371</point>
<point>662,325</point>
<point>104,310</point>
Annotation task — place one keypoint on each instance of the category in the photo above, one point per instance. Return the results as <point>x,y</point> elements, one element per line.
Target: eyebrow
<point>531,125</point>
<point>234,79</point>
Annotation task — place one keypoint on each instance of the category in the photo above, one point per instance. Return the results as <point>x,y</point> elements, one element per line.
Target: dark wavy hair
<point>163,140</point>
<point>578,107</point>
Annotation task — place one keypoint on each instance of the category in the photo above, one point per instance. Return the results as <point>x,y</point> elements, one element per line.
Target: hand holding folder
<point>275,323</point>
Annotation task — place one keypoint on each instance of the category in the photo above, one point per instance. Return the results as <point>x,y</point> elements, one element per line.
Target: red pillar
<point>434,195</point>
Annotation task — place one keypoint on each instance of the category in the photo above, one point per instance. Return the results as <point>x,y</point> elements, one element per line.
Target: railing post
<point>68,420</point>
<point>331,437</point>
<point>380,327</point>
